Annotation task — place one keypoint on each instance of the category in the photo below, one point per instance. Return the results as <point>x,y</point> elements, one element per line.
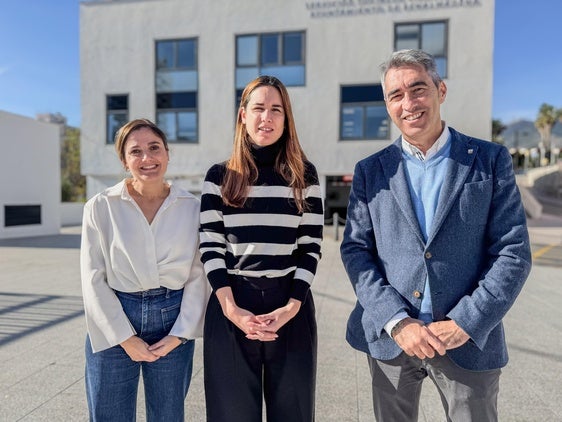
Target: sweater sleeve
<point>212,233</point>
<point>309,236</point>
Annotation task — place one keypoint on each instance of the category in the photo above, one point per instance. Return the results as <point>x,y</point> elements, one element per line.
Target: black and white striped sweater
<point>267,237</point>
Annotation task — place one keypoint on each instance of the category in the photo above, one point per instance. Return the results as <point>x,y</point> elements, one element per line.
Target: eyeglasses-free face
<point>264,116</point>
<point>145,155</point>
<point>413,103</point>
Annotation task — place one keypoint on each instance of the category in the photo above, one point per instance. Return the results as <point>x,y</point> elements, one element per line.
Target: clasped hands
<point>263,327</point>
<point>256,327</point>
<point>140,351</point>
<point>423,341</point>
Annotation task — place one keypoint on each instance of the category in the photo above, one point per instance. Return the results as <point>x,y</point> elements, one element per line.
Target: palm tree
<point>546,119</point>
<point>497,129</point>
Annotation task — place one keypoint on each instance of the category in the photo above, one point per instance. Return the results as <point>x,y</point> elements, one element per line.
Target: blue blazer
<point>477,255</point>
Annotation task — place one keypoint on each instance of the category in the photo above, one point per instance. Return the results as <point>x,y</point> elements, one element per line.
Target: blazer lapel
<point>394,172</point>
<point>460,162</point>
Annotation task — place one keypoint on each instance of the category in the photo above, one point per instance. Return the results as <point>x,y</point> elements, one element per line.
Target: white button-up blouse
<point>121,251</point>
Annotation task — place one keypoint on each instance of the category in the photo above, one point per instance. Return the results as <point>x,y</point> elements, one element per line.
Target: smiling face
<point>264,116</point>
<point>413,103</point>
<point>145,155</point>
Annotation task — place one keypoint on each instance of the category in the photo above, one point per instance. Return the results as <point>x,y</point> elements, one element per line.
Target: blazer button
<point>428,255</point>
<point>417,294</point>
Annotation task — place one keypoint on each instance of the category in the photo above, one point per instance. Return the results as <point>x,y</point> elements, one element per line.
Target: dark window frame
<point>179,101</point>
<point>175,67</point>
<point>280,48</point>
<point>358,95</point>
<point>113,110</point>
<point>281,45</point>
<point>420,24</point>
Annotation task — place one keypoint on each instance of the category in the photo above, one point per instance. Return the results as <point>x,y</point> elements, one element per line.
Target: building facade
<point>184,63</point>
<point>30,188</point>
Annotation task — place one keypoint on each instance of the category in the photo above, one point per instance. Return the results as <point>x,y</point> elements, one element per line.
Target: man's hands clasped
<point>424,341</point>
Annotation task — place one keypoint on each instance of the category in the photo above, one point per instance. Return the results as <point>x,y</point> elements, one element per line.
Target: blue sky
<point>40,72</point>
<point>39,57</point>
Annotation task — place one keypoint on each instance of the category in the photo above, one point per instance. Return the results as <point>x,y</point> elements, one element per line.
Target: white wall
<point>30,172</point>
<point>119,37</point>
<point>71,213</point>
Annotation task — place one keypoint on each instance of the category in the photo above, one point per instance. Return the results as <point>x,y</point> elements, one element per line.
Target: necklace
<point>148,192</point>
<point>149,204</point>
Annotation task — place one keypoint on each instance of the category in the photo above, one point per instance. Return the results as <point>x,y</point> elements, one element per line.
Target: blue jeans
<point>112,378</point>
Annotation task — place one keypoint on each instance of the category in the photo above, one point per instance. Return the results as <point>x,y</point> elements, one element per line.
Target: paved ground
<point>42,335</point>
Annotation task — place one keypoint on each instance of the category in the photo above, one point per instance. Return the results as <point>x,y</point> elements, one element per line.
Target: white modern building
<point>184,63</point>
<point>30,174</point>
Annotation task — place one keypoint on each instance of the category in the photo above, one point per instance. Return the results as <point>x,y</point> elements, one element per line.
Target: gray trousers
<point>466,395</point>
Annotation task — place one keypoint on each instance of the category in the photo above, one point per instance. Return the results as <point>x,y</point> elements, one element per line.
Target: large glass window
<point>363,113</point>
<point>276,54</point>
<point>177,89</point>
<point>430,37</point>
<point>177,115</point>
<point>117,114</point>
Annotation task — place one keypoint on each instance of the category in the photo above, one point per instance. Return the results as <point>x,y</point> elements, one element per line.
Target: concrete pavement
<point>42,335</point>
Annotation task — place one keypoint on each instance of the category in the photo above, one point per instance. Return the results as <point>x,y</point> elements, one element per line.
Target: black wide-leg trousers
<point>241,374</point>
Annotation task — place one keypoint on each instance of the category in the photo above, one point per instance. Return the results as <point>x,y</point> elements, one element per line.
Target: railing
<point>335,221</point>
<point>528,158</point>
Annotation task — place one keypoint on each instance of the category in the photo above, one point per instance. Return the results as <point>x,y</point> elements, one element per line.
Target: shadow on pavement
<point>24,314</point>
<point>56,241</point>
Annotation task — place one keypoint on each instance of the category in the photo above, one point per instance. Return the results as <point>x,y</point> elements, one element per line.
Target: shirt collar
<point>120,189</point>
<point>437,145</point>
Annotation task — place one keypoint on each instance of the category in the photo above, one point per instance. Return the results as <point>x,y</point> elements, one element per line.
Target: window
<point>21,215</point>
<point>276,54</point>
<point>428,36</point>
<point>117,107</point>
<point>363,113</point>
<point>176,89</point>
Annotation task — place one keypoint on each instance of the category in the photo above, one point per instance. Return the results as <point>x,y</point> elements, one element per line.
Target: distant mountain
<point>523,134</point>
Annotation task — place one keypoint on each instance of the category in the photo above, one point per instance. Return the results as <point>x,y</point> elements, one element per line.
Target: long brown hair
<point>241,170</point>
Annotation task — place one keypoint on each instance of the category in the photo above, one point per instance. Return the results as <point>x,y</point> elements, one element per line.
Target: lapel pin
<point>470,151</point>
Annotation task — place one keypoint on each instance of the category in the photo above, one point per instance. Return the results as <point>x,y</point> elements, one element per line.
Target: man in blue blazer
<point>437,250</point>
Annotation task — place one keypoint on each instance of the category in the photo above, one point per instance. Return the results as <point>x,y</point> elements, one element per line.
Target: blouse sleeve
<point>196,294</point>
<point>106,321</point>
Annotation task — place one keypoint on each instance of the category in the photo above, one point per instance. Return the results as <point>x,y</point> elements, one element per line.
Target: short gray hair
<point>403,58</point>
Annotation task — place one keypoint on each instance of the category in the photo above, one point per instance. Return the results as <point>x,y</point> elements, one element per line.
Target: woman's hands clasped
<point>140,351</point>
<point>256,327</point>
<point>270,323</point>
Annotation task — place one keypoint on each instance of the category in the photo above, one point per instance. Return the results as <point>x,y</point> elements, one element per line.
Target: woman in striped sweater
<point>261,229</point>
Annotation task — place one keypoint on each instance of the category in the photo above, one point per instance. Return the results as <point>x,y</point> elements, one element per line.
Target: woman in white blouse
<point>144,287</point>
